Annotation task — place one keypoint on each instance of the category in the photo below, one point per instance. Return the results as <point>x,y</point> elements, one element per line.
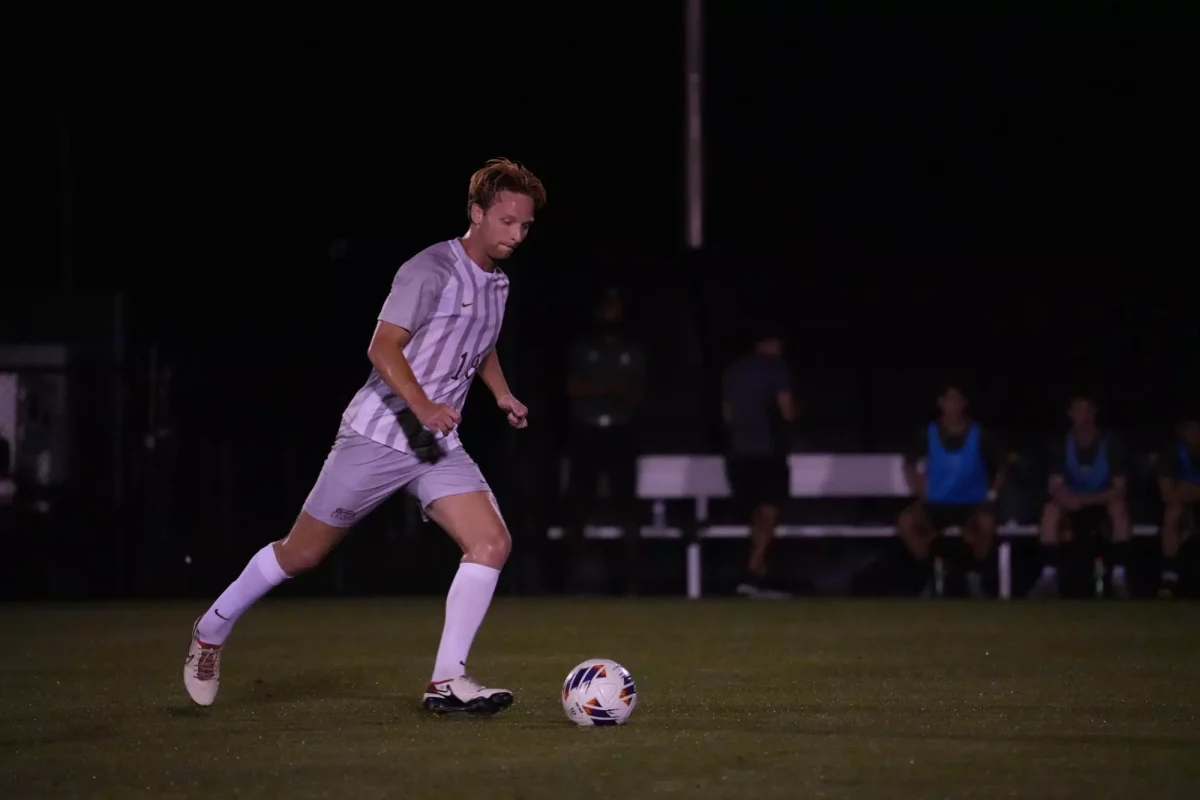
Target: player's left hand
<point>517,412</point>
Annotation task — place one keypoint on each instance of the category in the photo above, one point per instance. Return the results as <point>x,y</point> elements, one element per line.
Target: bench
<point>701,479</point>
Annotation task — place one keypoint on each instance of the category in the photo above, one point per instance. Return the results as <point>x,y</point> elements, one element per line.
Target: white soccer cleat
<point>202,670</point>
<point>465,696</point>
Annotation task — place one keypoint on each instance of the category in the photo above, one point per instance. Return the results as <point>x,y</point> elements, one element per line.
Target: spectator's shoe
<point>464,696</point>
<point>753,586</point>
<point>1169,587</point>
<point>1046,588</point>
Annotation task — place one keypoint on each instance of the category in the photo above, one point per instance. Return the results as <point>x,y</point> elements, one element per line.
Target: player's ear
<point>476,214</point>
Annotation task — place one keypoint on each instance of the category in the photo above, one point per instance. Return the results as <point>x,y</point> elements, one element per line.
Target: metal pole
<point>693,62</point>
<point>66,203</point>
<point>118,389</point>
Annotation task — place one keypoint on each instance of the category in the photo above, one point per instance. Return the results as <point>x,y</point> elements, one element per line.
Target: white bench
<point>701,478</point>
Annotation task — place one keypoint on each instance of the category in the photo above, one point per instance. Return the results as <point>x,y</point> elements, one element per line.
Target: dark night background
<point>1004,198</point>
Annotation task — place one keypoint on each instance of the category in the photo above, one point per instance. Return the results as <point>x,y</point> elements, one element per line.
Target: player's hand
<point>438,417</point>
<point>517,412</point>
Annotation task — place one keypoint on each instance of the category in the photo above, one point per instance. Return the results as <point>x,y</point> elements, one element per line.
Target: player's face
<point>771,347</point>
<point>1082,414</point>
<point>506,224</point>
<point>953,403</point>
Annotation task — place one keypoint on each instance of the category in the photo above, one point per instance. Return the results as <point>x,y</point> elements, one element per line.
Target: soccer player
<point>1179,484</point>
<point>436,331</point>
<point>964,472</point>
<point>1088,484</point>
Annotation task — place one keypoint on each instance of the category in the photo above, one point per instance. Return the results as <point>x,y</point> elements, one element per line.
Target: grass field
<point>736,700</point>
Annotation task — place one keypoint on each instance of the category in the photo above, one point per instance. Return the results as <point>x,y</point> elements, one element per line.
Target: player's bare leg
<point>918,536</point>
<point>1172,541</point>
<point>979,534</point>
<point>763,522</point>
<point>473,520</point>
<point>305,546</point>
<point>1122,530</point>
<point>1048,540</point>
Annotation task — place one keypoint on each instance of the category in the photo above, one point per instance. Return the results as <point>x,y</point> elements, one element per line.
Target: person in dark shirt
<point>757,405</point>
<point>1179,484</point>
<point>1088,485</point>
<point>964,469</point>
<point>606,375</point>
<point>8,488</point>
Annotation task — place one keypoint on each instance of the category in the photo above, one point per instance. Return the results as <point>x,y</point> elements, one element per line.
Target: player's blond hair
<point>501,175</point>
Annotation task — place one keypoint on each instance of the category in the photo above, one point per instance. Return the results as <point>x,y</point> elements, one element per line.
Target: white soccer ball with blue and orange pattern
<point>600,693</point>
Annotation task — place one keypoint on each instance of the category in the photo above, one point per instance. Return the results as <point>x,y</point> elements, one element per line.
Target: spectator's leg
<point>918,537</point>
<point>1172,538</point>
<point>763,521</point>
<point>1122,528</point>
<point>621,466</point>
<point>583,474</point>
<point>1048,543</point>
<point>979,535</point>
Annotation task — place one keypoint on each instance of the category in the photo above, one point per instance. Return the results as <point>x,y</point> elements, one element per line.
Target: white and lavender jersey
<point>454,310</point>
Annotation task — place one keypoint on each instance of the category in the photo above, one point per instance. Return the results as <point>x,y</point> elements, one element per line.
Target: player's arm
<point>493,376</point>
<point>409,305</point>
<point>999,463</point>
<point>912,474</point>
<point>386,353</point>
<point>1172,489</point>
<point>727,379</point>
<point>1118,467</point>
<point>784,397</point>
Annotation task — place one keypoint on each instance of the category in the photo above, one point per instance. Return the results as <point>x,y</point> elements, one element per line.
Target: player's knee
<point>985,525</point>
<point>1118,511</point>
<point>296,558</point>
<point>490,547</point>
<point>1172,514</point>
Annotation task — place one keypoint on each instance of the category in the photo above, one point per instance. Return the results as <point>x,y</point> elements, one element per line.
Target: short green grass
<point>737,700</point>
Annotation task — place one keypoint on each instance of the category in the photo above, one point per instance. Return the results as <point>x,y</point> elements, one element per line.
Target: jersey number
<point>465,371</point>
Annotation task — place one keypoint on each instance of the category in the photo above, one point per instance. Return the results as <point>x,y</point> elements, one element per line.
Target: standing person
<point>437,330</point>
<point>606,379</point>
<point>758,406</point>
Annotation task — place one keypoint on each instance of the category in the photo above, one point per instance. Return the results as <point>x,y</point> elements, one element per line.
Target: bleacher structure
<point>699,482</point>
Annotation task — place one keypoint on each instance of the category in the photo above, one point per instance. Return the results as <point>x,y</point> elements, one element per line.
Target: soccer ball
<point>599,692</point>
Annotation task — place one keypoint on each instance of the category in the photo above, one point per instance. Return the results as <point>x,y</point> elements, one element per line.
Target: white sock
<point>1049,571</point>
<point>466,604</point>
<point>1119,572</point>
<point>260,576</point>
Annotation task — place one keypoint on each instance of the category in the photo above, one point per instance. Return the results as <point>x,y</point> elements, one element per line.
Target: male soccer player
<point>1088,484</point>
<point>436,331</point>
<point>1179,484</point>
<point>964,471</point>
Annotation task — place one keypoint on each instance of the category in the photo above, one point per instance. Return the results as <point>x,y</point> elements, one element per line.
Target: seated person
<point>1088,485</point>
<point>964,471</point>
<point>8,488</point>
<point>1179,483</point>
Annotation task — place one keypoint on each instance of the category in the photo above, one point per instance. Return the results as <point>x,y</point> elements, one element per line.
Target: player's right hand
<point>438,417</point>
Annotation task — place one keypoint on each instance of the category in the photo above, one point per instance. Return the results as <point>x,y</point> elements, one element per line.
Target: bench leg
<point>692,567</point>
<point>1004,565</point>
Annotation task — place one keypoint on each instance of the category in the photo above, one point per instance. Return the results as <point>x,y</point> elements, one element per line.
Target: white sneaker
<point>202,670</point>
<point>465,696</point>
